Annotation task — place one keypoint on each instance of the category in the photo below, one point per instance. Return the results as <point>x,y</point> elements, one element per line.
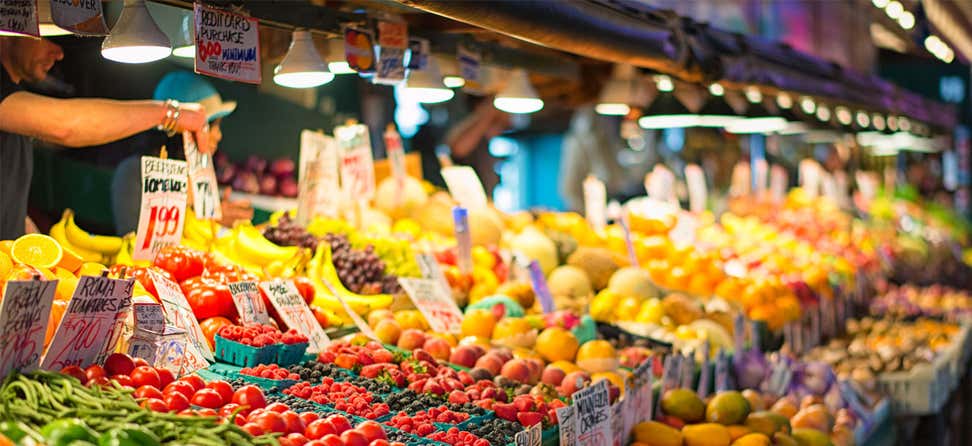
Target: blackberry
<point>497,432</point>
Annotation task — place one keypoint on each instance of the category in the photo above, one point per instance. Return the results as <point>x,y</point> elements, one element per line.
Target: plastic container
<point>290,354</point>
<point>920,391</point>
<point>244,355</point>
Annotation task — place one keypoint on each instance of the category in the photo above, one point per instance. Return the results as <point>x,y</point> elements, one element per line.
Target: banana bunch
<point>124,256</point>
<point>89,247</point>
<point>198,234</point>
<point>320,268</point>
<point>244,245</point>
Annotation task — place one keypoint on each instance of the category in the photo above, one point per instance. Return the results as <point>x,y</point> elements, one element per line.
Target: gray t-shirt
<point>16,167</point>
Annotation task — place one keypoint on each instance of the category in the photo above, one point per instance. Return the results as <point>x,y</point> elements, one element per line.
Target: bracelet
<point>171,118</point>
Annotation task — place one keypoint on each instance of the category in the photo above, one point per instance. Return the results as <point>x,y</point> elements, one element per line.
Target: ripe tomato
<point>294,424</point>
<point>140,362</point>
<point>208,398</point>
<point>305,287</point>
<point>180,261</point>
<point>371,430</point>
<point>148,392</point>
<point>207,412</point>
<point>321,316</point>
<point>141,274</point>
<point>340,423</point>
<point>253,429</point>
<point>223,388</point>
<point>123,380</point>
<point>182,387</point>
<point>293,439</point>
<point>119,364</point>
<point>98,381</point>
<point>318,429</point>
<point>309,417</point>
<point>165,377</point>
<point>277,407</point>
<point>354,438</point>
<point>270,422</point>
<point>155,405</point>
<point>331,440</point>
<point>213,299</point>
<point>176,401</point>
<point>211,326</point>
<point>75,371</point>
<point>95,371</point>
<point>145,376</point>
<point>250,396</point>
<point>195,381</point>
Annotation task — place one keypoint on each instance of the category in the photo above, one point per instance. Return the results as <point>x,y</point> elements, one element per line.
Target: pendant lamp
<point>135,38</point>
<point>302,67</point>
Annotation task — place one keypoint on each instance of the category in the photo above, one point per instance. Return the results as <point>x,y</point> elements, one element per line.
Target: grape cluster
<point>360,270</point>
<point>288,233</point>
<point>497,431</point>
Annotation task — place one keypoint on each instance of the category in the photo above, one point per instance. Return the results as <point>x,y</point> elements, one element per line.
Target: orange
<point>597,356</point>
<point>37,250</point>
<point>70,261</point>
<point>5,264</point>
<point>66,283</point>
<point>479,323</point>
<point>58,308</point>
<point>5,246</point>
<point>556,344</point>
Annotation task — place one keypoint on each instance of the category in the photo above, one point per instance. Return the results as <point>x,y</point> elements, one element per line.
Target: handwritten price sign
<point>438,308</point>
<point>202,177</point>
<point>227,44</point>
<point>318,177</point>
<point>356,163</point>
<point>164,194</point>
<point>179,314</point>
<point>593,418</point>
<point>90,322</point>
<point>19,17</point>
<point>531,436</point>
<point>249,304</point>
<point>23,321</point>
<point>295,313</point>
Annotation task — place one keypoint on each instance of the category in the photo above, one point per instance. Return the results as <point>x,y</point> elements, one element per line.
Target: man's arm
<point>87,122</point>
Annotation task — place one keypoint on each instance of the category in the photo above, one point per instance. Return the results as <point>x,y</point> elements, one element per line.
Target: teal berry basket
<point>290,354</point>
<point>244,355</point>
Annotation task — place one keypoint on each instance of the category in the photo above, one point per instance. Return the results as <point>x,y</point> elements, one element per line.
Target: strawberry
<point>552,416</point>
<point>524,403</point>
<point>422,355</point>
<point>364,358</point>
<point>465,378</point>
<point>528,419</point>
<point>371,371</point>
<point>458,397</point>
<point>382,355</point>
<point>485,404</point>
<point>433,387</point>
<point>505,411</point>
<point>557,404</point>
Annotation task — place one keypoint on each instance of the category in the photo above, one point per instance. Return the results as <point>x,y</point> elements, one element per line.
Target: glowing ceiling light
<point>753,95</point>
<point>426,85</point>
<point>907,20</point>
<point>135,38</point>
<point>863,119</point>
<point>894,9</point>
<point>518,96</point>
<point>664,83</point>
<point>716,89</point>
<point>823,113</point>
<point>807,105</point>
<point>302,67</point>
<point>784,101</point>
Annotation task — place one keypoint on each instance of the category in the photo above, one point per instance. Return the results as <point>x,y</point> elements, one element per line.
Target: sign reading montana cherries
<point>227,45</point>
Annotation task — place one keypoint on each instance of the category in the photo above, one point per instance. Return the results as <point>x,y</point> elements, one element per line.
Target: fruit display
<point>256,175</point>
<point>909,301</point>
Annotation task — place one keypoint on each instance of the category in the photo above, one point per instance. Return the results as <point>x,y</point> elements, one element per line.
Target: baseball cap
<point>184,86</point>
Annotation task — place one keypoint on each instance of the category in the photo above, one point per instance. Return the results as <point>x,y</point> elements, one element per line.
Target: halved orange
<point>5,246</point>
<point>37,250</point>
<point>70,261</point>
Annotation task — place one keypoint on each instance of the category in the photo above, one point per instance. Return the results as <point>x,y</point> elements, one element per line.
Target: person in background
<point>182,86</point>
<point>66,122</point>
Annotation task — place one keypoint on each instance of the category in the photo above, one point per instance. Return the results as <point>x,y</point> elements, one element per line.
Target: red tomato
<point>321,316</point>
<point>180,261</point>
<point>270,422</point>
<point>165,377</point>
<point>195,381</point>
<point>176,401</point>
<point>148,392</point>
<point>379,442</point>
<point>155,405</point>
<point>145,376</point>
<point>98,381</point>
<point>211,326</point>
<point>180,387</point>
<point>208,398</point>
<point>293,439</point>
<point>318,429</point>
<point>95,371</point>
<point>371,430</point>
<point>141,274</point>
<point>211,300</point>
<point>354,438</point>
<point>340,423</point>
<point>332,440</point>
<point>253,429</point>
<point>75,371</point>
<point>278,407</point>
<point>187,413</point>
<point>250,396</point>
<point>207,412</point>
<point>123,380</point>
<point>119,364</point>
<point>223,388</point>
<point>140,362</point>
<point>294,424</point>
<point>309,417</point>
<point>305,287</point>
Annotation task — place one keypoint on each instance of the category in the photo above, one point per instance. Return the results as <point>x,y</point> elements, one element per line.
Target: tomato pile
<point>272,371</point>
<point>260,335</point>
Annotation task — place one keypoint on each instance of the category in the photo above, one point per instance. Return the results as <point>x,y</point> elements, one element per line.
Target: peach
<point>536,369</point>
<point>411,339</point>
<point>814,416</point>
<point>504,353</point>
<point>466,355</point>
<point>574,381</point>
<point>552,376</point>
<point>491,363</point>
<point>379,315</point>
<point>438,347</point>
<point>388,331</point>
<point>517,370</point>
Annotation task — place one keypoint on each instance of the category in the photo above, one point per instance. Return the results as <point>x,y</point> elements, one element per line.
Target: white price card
<point>295,313</point>
<point>356,163</point>
<point>202,180</point>
<point>531,436</point>
<point>179,314</point>
<point>227,44</point>
<point>396,157</point>
<point>566,423</point>
<point>19,17</point>
<point>741,181</point>
<point>392,42</point>
<point>438,308</point>
<point>164,195</point>
<point>778,182</point>
<point>695,180</point>
<point>249,303</point>
<point>760,174</point>
<point>92,317</point>
<point>149,317</point>
<point>593,415</point>
<point>810,177</point>
<point>24,312</point>
<point>465,187</point>
<point>595,203</point>
<point>82,17</point>
<point>317,177</point>
<point>361,324</point>
<point>660,185</point>
<point>430,270</point>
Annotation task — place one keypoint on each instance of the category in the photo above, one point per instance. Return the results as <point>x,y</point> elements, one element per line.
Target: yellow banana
<point>323,269</point>
<point>226,246</point>
<point>256,249</point>
<point>57,233</point>
<point>104,244</point>
<point>201,231</point>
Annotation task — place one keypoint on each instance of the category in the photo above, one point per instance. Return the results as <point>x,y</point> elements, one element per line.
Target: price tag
<point>430,270</point>
<point>227,44</point>
<point>670,372</point>
<point>24,311</point>
<point>687,370</point>
<point>778,182</point>
<point>618,421</point>
<point>616,212</point>
<point>661,184</point>
<point>396,157</point>
<point>810,177</point>
<point>695,180</point>
<point>356,164</point>
<point>295,313</point>
<point>531,436</point>
<point>363,326</point>
<point>96,311</point>
<point>202,179</point>
<point>80,17</point>
<point>705,373</point>
<point>465,187</point>
<point>164,189</point>
<point>722,371</point>
<point>593,420</point>
<point>741,181</point>
<point>460,224</point>
<point>760,172</point>
<point>149,317</point>
<point>19,17</point>
<point>179,314</point>
<point>249,303</point>
<point>391,66</point>
<point>418,57</point>
<point>438,308</point>
<point>539,283</point>
<point>359,50</point>
<point>318,177</point>
<point>567,419</point>
<point>392,34</point>
<point>595,203</point>
<point>173,351</point>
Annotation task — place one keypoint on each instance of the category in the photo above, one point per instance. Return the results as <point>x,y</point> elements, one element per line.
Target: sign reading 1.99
<point>164,186</point>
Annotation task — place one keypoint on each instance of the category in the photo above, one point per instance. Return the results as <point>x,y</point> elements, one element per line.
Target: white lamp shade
<point>337,63</point>
<point>669,121</point>
<point>302,67</point>
<point>519,95</point>
<point>426,85</point>
<point>135,38</point>
<point>620,93</point>
<point>185,43</point>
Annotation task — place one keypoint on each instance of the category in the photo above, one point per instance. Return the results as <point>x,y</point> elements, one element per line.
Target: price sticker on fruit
<point>202,178</point>
<point>227,44</point>
<point>249,304</point>
<point>97,308</point>
<point>24,312</point>
<point>438,308</point>
<point>294,312</point>
<point>164,196</point>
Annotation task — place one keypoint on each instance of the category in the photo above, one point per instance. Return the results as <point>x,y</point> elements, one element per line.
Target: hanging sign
<point>392,43</point>
<point>164,189</point>
<point>465,187</point>
<point>202,179</point>
<point>24,311</point>
<point>595,203</point>
<point>179,314</point>
<point>540,288</point>
<point>359,50</point>
<point>317,177</point>
<point>593,419</point>
<point>470,68</point>
<point>419,53</point>
<point>695,180</point>
<point>249,303</point>
<point>227,45</point>
<point>438,308</point>
<point>19,17</point>
<point>82,17</point>
<point>294,312</point>
<point>778,182</point>
<point>356,164</point>
<point>396,157</point>
<point>89,323</point>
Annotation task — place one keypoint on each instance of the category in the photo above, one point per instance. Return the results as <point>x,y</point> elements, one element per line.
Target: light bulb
<point>426,85</point>
<point>302,67</point>
<point>337,63</point>
<point>135,38</point>
<point>894,9</point>
<point>716,89</point>
<point>907,20</point>
<point>807,105</point>
<point>518,96</point>
<point>453,81</point>
<point>784,101</point>
<point>664,83</point>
